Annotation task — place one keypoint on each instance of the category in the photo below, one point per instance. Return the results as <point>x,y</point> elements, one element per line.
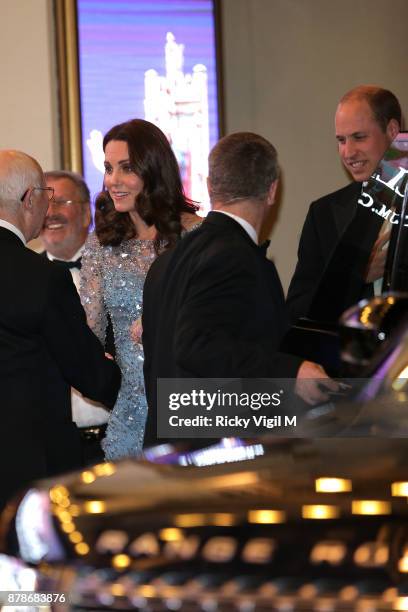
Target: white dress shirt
<point>74,271</point>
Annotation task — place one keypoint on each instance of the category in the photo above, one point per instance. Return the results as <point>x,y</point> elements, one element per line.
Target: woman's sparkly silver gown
<point>112,279</point>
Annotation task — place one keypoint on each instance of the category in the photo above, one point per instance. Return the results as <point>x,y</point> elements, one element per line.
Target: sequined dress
<point>112,279</point>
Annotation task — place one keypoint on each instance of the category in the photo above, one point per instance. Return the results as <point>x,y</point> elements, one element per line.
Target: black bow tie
<point>264,246</point>
<point>69,264</point>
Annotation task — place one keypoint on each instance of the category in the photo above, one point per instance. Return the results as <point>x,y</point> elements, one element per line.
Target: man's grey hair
<point>18,172</point>
<point>242,166</point>
<point>74,177</point>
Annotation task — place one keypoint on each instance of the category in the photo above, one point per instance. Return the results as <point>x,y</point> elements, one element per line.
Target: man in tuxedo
<point>63,235</point>
<point>45,344</point>
<point>214,307</point>
<point>68,217</point>
<point>367,120</point>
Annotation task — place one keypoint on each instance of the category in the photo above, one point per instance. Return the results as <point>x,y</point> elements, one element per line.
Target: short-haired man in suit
<point>45,344</point>
<point>213,307</point>
<point>63,235</point>
<point>367,120</point>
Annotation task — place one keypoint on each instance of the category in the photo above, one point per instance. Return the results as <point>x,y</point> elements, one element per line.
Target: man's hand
<point>378,256</point>
<point>311,382</point>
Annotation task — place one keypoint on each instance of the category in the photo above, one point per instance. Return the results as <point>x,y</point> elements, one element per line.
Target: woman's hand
<point>136,330</point>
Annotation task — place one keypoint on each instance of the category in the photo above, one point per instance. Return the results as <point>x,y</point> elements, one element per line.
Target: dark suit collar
<point>9,236</point>
<point>345,205</point>
<point>227,223</point>
<point>348,194</point>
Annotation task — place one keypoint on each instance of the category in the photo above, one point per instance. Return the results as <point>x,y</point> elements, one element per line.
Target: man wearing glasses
<point>45,345</point>
<point>68,218</point>
<point>63,235</point>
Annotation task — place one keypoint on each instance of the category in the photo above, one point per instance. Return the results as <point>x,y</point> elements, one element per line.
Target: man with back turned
<point>213,307</point>
<point>45,345</point>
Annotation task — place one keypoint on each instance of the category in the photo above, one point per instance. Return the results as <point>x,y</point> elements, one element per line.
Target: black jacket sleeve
<point>74,347</point>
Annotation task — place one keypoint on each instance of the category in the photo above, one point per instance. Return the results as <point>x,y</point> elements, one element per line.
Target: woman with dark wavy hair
<point>141,211</point>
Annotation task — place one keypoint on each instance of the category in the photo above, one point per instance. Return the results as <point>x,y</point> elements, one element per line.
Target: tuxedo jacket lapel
<point>345,207</point>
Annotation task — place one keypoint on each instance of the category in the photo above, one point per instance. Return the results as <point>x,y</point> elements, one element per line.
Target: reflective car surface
<point>374,355</point>
<point>271,524</point>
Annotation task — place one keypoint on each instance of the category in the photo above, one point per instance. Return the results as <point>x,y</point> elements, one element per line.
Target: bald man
<point>45,345</point>
<point>367,120</point>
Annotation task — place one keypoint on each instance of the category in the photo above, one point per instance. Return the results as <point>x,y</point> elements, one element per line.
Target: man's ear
<point>26,200</point>
<point>393,129</point>
<point>272,193</point>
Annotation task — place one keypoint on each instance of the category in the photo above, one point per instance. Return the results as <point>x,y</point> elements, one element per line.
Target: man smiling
<point>68,217</point>
<point>367,120</point>
<point>63,235</point>
<point>363,131</point>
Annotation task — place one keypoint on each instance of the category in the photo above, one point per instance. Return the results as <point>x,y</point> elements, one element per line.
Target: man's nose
<point>349,148</point>
<point>52,205</point>
<point>54,208</point>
